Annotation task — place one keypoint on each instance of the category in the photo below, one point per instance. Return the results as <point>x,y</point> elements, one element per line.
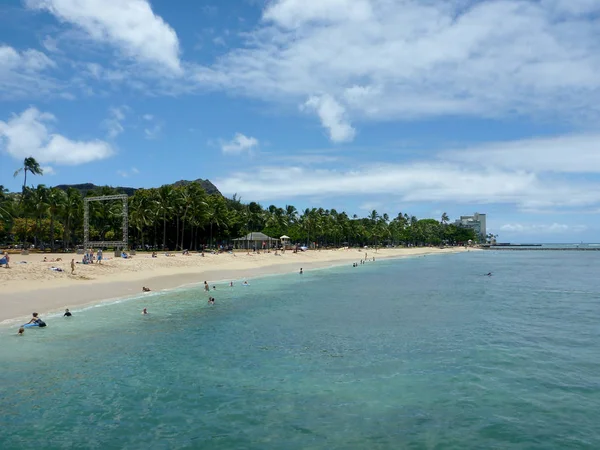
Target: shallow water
<point>413,353</point>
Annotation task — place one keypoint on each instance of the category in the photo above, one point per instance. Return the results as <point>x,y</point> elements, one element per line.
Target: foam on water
<point>419,353</point>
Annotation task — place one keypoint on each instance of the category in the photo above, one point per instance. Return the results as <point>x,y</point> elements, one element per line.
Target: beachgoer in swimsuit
<point>36,319</point>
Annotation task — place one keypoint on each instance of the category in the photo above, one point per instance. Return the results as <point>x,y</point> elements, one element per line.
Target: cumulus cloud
<point>240,143</point>
<point>130,25</point>
<point>383,60</point>
<point>23,72</point>
<point>530,174</point>
<point>333,117</point>
<point>29,134</point>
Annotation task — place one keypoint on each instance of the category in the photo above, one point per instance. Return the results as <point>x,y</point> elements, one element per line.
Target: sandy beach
<point>32,284</point>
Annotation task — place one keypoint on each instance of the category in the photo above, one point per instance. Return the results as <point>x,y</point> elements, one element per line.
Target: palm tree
<point>165,201</point>
<point>29,165</point>
<point>72,210</point>
<point>56,201</point>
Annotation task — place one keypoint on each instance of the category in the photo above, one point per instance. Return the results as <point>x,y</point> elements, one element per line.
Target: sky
<point>412,106</point>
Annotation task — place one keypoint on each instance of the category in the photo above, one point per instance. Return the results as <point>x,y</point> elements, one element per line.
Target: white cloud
<point>577,153</point>
<point>48,170</point>
<point>130,25</point>
<point>383,60</point>
<point>24,73</point>
<point>126,174</point>
<point>240,143</point>
<point>28,134</point>
<point>553,228</point>
<point>515,173</point>
<point>153,128</point>
<point>114,124</point>
<point>332,116</point>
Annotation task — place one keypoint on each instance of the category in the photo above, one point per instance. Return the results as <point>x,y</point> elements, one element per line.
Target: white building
<point>475,222</point>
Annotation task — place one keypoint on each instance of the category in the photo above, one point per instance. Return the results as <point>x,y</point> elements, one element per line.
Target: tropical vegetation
<point>186,217</point>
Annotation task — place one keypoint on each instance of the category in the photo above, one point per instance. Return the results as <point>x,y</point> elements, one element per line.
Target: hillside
<point>85,187</point>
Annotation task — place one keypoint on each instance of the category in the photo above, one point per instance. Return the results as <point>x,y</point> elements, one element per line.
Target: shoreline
<point>36,291</point>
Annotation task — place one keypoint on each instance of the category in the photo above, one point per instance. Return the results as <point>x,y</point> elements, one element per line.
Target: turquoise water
<point>415,353</point>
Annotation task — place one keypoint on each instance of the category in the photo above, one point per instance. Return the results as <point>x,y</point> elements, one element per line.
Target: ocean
<point>419,353</point>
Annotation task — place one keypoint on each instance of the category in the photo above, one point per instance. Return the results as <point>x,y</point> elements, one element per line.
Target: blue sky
<point>422,107</point>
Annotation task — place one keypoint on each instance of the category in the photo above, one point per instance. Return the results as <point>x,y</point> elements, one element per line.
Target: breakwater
<point>547,249</point>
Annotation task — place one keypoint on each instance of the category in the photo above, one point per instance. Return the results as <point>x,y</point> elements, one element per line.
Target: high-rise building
<point>476,222</point>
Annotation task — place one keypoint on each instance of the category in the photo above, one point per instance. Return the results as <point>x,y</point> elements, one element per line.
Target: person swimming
<point>36,319</point>
<point>67,313</point>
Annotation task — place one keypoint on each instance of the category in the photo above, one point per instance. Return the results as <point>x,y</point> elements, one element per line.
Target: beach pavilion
<point>255,240</point>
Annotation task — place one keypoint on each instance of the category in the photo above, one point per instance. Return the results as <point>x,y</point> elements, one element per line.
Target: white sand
<point>30,284</point>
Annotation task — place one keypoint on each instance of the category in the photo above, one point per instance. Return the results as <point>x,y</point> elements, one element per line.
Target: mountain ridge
<point>84,188</point>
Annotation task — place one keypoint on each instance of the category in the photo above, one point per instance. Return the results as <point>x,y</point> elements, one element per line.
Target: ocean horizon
<point>422,352</point>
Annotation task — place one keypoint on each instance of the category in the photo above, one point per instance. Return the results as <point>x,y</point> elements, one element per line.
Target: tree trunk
<point>182,230</point>
<point>164,231</point>
<point>52,232</point>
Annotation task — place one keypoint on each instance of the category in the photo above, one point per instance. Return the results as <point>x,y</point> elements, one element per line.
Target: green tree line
<point>186,217</point>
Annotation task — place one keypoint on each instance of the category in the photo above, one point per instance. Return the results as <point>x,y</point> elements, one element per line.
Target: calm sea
<point>415,353</point>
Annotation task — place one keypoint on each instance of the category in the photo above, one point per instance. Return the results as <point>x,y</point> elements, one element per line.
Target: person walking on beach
<point>72,266</point>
